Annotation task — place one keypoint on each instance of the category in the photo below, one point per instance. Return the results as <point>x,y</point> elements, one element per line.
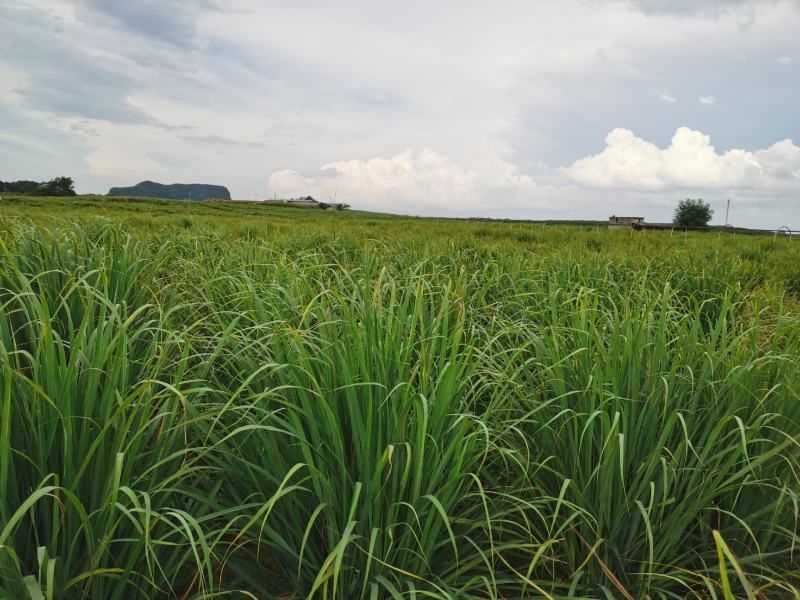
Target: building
<point>615,222</point>
<point>307,201</point>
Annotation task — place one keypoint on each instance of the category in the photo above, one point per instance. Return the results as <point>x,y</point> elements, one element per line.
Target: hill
<point>175,191</point>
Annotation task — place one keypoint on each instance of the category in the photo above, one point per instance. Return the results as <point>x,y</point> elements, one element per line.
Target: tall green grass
<point>93,441</point>
<point>194,412</point>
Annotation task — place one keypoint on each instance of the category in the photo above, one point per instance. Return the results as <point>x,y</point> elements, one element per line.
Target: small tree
<point>693,213</point>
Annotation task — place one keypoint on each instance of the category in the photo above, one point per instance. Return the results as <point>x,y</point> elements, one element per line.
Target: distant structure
<point>302,202</point>
<point>306,201</point>
<point>615,222</point>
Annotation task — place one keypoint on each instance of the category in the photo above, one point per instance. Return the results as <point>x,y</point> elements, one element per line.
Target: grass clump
<point>93,449</point>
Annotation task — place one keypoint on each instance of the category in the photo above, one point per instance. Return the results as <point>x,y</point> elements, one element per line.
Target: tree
<point>19,187</point>
<point>693,213</point>
<point>60,186</point>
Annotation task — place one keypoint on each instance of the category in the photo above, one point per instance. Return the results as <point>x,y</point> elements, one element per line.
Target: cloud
<point>785,60</point>
<point>700,7</point>
<point>690,162</point>
<point>222,141</point>
<point>664,97</point>
<point>416,182</point>
<point>406,177</point>
<point>61,77</point>
<point>173,22</point>
<point>707,99</point>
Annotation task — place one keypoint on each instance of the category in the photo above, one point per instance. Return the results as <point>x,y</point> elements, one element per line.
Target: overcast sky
<point>545,109</point>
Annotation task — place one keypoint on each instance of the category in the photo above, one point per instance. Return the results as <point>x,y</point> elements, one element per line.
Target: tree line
<point>59,186</point>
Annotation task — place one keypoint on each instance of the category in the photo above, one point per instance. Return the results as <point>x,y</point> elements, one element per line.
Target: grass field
<point>209,400</point>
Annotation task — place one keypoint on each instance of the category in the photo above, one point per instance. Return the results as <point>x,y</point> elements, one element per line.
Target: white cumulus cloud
<point>785,60</point>
<point>689,162</point>
<point>409,176</point>
<point>417,182</point>
<point>707,99</point>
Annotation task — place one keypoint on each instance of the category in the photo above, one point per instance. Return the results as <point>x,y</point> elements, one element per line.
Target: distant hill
<point>175,191</point>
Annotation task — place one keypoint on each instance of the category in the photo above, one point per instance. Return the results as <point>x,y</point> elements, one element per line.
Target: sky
<point>553,109</point>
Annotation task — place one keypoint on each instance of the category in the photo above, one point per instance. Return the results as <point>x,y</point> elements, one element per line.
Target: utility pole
<point>727,212</point>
